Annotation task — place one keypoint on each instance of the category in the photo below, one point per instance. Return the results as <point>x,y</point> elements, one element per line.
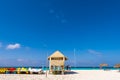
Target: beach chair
<point>35,70</point>
<point>3,70</point>
<point>18,70</point>
<point>11,70</point>
<point>24,70</point>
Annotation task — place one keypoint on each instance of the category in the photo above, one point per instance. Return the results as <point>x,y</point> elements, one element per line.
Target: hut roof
<point>103,64</point>
<point>57,54</point>
<point>117,66</point>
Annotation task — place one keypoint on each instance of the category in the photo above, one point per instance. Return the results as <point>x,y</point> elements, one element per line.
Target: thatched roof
<point>117,66</point>
<point>57,54</point>
<point>103,64</point>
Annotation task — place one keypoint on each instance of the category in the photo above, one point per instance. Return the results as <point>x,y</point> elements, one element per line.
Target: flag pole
<point>74,58</point>
<point>46,64</point>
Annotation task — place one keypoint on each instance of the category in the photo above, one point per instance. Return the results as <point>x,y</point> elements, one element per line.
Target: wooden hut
<point>117,66</point>
<point>103,65</point>
<point>57,62</point>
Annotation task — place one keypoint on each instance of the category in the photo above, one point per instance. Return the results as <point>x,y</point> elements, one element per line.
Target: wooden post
<point>46,64</point>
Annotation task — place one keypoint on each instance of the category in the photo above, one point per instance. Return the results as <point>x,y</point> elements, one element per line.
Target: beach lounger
<point>35,70</point>
<point>3,70</point>
<point>22,70</point>
<point>11,70</point>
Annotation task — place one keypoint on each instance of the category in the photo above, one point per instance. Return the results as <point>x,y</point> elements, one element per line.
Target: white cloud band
<point>13,46</point>
<point>94,52</point>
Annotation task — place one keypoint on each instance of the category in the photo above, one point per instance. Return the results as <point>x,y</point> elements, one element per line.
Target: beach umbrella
<point>117,66</point>
<point>103,65</point>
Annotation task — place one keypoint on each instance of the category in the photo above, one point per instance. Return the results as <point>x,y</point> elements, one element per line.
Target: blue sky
<point>31,29</point>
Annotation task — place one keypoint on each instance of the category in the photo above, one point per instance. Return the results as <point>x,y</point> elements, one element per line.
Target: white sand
<point>78,75</point>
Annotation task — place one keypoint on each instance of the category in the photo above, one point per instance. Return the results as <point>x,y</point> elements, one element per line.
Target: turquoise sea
<point>78,68</point>
<point>92,68</point>
<point>88,68</point>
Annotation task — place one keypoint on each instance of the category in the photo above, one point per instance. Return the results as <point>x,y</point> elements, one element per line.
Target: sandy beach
<point>74,75</point>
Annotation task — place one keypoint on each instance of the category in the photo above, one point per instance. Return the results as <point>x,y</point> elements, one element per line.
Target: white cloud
<point>13,46</point>
<point>94,52</point>
<point>20,60</point>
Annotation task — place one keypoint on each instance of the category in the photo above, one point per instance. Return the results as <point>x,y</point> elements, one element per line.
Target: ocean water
<point>88,68</point>
<point>93,68</point>
<point>78,68</point>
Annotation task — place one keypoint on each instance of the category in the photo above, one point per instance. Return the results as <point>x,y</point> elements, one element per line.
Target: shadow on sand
<point>70,72</point>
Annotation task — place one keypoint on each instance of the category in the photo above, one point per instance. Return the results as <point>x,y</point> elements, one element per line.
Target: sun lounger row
<point>21,70</point>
